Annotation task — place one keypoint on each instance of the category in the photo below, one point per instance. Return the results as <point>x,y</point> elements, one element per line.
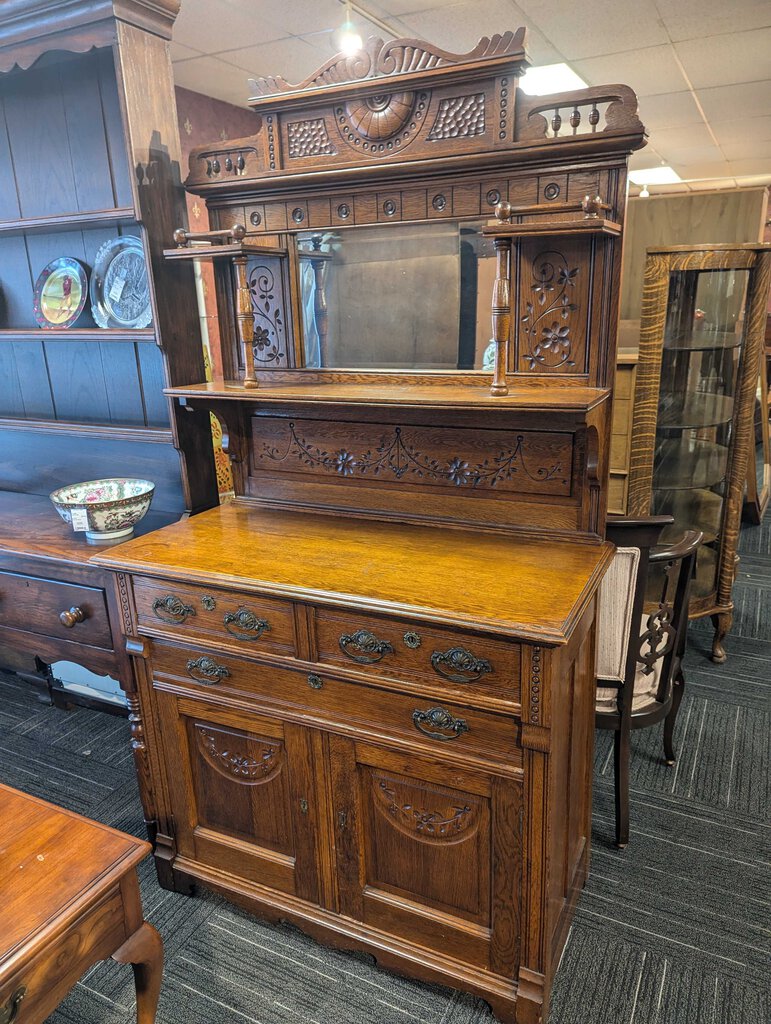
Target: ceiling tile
<point>180,52</point>
<point>708,169</point>
<point>608,26</point>
<point>734,101</point>
<point>292,59</point>
<point>649,71</point>
<point>751,166</point>
<point>670,110</point>
<point>748,149</point>
<point>728,59</point>
<point>213,25</point>
<point>742,130</point>
<point>685,156</point>
<point>696,19</point>
<point>459,26</point>
<point>213,77</point>
<point>685,137</point>
<point>299,16</point>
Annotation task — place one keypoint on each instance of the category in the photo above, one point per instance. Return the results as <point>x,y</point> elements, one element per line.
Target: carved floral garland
<point>549,343</point>
<point>395,456</point>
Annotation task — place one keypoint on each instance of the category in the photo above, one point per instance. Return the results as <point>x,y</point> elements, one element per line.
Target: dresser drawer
<point>436,725</point>
<point>394,649</point>
<point>35,605</point>
<point>238,619</point>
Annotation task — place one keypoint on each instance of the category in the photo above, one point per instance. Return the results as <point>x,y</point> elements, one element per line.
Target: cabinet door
<point>429,852</point>
<point>242,793</point>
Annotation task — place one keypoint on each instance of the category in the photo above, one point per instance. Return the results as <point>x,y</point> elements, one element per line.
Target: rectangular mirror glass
<point>397,297</point>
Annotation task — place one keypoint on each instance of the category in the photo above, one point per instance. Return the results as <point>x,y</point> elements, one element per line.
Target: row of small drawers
<point>333,701</point>
<point>375,646</point>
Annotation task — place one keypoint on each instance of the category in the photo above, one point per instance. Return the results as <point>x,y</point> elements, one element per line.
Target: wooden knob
<point>180,237</point>
<point>238,231</point>
<point>71,617</point>
<point>503,212</point>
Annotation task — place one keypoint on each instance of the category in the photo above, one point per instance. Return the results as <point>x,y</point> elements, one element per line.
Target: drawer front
<point>393,649</point>
<point>35,605</point>
<point>242,620</point>
<point>39,987</point>
<point>435,725</point>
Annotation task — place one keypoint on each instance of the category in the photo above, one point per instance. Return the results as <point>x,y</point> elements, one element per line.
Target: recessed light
<point>550,78</point>
<point>655,176</point>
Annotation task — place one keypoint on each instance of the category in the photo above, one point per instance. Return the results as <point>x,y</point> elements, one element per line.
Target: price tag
<point>79,519</point>
<point>117,289</point>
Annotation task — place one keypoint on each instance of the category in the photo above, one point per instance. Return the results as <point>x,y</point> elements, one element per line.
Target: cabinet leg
<point>144,951</point>
<point>721,624</point>
<point>678,688</point>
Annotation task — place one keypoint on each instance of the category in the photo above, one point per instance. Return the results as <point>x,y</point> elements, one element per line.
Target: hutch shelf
<point>88,150</point>
<point>366,686</point>
<point>701,341</point>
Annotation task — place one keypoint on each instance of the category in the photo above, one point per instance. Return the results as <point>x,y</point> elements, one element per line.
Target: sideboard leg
<point>144,951</point>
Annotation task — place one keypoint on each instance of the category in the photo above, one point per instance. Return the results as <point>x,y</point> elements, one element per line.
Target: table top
<point>529,589</point>
<point>30,525</point>
<point>54,864</point>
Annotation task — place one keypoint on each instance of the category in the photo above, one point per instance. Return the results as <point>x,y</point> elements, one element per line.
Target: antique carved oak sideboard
<point>366,687</point>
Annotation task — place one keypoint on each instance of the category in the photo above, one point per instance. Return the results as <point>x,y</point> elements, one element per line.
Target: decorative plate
<point>61,291</point>
<point>120,291</point>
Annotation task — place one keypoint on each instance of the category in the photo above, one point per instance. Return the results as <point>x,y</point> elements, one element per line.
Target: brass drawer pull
<point>434,719</point>
<point>9,1012</point>
<point>365,648</point>
<point>245,624</point>
<point>172,609</point>
<point>459,665</point>
<point>206,670</point>
<point>72,617</point>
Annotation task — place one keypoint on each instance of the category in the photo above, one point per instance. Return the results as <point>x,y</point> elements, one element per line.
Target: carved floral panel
<point>461,460</point>
<point>266,284</point>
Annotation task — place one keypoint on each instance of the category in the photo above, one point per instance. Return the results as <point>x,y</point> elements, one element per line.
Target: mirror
<point>397,297</point>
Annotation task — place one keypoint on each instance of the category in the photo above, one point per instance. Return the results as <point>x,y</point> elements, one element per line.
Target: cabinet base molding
<point>509,1004</point>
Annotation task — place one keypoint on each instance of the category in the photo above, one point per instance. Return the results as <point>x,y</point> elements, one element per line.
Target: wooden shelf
<point>108,431</point>
<point>520,397</point>
<point>67,221</point>
<point>77,334</point>
<point>584,226</point>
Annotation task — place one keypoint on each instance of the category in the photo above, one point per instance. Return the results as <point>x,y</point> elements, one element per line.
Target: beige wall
<point>737,215</point>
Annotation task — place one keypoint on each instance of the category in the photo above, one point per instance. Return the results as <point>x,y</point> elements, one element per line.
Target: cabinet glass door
<point>700,360</point>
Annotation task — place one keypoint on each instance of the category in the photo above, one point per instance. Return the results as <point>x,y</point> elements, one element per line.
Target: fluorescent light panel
<point>550,78</point>
<point>655,176</point>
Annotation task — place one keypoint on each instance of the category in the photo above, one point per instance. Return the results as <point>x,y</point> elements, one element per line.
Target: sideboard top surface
<point>532,590</point>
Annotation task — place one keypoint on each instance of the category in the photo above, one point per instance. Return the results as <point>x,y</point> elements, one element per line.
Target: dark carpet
<point>673,930</point>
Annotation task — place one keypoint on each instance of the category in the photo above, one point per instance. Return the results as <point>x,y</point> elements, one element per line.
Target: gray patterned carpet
<point>674,930</point>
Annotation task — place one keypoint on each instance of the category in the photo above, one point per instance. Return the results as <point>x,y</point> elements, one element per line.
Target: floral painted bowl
<point>107,510</point>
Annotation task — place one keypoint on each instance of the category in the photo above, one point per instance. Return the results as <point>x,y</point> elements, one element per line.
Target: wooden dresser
<point>366,687</point>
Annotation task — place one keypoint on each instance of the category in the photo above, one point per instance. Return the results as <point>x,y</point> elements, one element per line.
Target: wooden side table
<point>69,896</point>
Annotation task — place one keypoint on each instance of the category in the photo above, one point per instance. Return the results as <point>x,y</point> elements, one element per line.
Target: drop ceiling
<point>701,68</point>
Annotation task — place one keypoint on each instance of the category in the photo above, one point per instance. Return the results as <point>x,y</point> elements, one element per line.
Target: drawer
<point>35,604</point>
<point>394,649</point>
<point>51,973</point>
<point>217,616</point>
<point>435,725</point>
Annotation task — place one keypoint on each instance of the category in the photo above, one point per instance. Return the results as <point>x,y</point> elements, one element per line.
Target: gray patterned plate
<point>120,290</point>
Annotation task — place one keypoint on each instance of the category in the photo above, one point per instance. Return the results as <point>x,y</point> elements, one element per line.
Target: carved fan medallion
<point>382,122</point>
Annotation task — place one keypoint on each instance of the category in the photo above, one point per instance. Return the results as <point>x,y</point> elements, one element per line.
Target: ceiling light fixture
<point>644,193</point>
<point>550,78</point>
<point>655,176</point>
<point>349,40</point>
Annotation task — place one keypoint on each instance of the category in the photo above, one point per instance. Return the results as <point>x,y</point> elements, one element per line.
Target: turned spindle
<point>501,308</point>
<point>245,321</point>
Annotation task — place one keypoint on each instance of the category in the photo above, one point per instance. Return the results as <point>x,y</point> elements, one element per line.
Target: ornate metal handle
<point>459,665</point>
<point>207,670</point>
<point>172,609</point>
<point>434,719</point>
<point>365,648</point>
<point>315,682</point>
<point>72,617</point>
<point>9,1012</point>
<point>246,625</point>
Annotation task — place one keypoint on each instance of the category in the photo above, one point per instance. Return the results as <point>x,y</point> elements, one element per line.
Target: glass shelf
<point>697,509</point>
<point>702,341</point>
<point>683,464</point>
<point>678,411</point>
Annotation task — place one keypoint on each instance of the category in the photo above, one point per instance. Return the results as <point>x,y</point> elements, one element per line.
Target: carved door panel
<point>429,852</point>
<point>242,793</point>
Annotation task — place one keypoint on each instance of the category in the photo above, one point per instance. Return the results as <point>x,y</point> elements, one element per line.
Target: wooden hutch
<point>366,687</point>
<point>89,150</point>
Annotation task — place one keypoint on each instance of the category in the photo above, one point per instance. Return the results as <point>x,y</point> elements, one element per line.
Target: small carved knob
<point>180,237</point>
<point>238,231</point>
<point>503,212</point>
<point>591,205</point>
<point>72,617</point>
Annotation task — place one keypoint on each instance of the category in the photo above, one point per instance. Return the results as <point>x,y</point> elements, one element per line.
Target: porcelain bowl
<point>107,510</point>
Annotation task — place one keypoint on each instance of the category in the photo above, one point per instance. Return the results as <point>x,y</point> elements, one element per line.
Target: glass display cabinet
<point>693,434</point>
